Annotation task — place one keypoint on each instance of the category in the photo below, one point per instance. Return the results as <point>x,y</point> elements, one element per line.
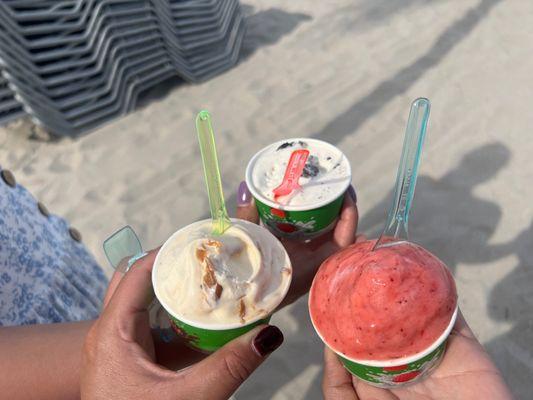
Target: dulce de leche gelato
<point>385,304</point>
<point>235,278</point>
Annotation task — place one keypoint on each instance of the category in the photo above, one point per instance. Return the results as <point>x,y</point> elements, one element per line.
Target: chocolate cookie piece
<point>285,145</point>
<point>311,168</point>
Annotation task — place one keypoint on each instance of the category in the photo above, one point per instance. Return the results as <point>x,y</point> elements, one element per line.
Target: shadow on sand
<point>358,113</point>
<point>263,28</point>
<point>447,217</point>
<point>511,301</point>
<point>268,27</point>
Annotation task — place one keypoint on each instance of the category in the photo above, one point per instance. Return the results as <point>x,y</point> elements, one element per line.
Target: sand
<point>343,71</point>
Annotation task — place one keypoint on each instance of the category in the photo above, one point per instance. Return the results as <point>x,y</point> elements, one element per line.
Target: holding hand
<point>119,356</point>
<point>466,372</point>
<point>307,257</point>
<point>119,359</point>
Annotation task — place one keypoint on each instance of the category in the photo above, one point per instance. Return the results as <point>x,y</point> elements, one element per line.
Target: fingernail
<point>351,192</point>
<point>244,197</point>
<point>135,258</point>
<point>268,340</point>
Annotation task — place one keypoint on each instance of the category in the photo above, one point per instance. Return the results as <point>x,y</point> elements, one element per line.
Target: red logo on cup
<point>406,377</point>
<point>396,368</point>
<point>277,213</point>
<point>287,228</point>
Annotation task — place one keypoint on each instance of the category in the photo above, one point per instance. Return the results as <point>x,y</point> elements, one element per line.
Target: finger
<point>360,238</point>
<point>134,293</point>
<point>337,382</point>
<point>366,391</point>
<point>246,208</point>
<point>248,213</point>
<point>346,228</point>
<point>113,284</point>
<point>461,326</point>
<point>122,267</point>
<point>220,374</point>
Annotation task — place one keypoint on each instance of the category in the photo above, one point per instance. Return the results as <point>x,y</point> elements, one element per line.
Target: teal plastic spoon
<point>123,248</point>
<point>396,226</point>
<point>221,221</point>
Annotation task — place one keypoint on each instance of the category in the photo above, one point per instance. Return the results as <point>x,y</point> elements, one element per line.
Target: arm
<point>42,361</point>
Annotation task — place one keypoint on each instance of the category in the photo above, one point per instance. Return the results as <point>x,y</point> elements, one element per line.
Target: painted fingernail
<point>268,340</point>
<point>351,192</point>
<point>244,197</point>
<point>135,258</point>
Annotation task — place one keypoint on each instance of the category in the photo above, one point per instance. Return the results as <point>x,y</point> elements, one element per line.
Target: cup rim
<point>217,327</point>
<point>270,203</point>
<point>397,361</point>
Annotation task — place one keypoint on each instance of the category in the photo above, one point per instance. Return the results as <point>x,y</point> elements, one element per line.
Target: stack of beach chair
<point>10,107</point>
<point>73,65</point>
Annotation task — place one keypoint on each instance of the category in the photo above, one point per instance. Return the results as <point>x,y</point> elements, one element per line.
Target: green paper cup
<point>208,337</point>
<point>390,374</point>
<point>301,221</point>
<point>209,340</point>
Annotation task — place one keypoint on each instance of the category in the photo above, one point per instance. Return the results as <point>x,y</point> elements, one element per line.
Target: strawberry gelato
<point>385,304</point>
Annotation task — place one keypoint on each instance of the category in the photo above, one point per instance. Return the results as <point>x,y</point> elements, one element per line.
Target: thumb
<point>133,292</point>
<point>346,228</point>
<point>245,204</point>
<point>221,374</point>
<point>337,382</point>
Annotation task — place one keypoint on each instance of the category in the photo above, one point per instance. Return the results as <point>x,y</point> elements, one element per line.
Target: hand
<point>118,360</point>
<point>307,257</point>
<point>171,351</point>
<point>466,372</point>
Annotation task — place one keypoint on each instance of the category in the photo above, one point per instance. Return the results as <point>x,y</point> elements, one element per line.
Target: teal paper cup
<point>297,221</point>
<point>208,337</point>
<point>389,374</point>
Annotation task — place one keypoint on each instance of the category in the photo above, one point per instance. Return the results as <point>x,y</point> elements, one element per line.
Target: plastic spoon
<point>221,221</point>
<point>123,248</point>
<point>294,171</point>
<point>397,220</point>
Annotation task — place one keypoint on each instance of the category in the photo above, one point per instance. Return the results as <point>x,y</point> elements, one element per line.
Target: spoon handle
<point>397,220</point>
<point>221,221</point>
<point>294,171</point>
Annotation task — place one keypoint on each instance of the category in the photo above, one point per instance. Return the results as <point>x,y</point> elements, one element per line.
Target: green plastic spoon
<point>221,221</point>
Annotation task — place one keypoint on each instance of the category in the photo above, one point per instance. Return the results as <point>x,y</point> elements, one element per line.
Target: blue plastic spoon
<point>398,217</point>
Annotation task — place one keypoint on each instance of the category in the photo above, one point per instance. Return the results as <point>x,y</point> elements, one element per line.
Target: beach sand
<point>344,71</point>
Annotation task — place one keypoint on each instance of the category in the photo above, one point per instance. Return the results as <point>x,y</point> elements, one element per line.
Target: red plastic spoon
<point>294,171</point>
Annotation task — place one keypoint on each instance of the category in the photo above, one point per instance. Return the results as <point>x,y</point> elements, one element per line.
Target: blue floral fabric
<point>45,275</point>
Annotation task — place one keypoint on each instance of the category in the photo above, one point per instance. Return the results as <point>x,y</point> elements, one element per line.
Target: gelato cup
<point>387,313</point>
<point>314,208</point>
<point>388,374</point>
<point>216,288</point>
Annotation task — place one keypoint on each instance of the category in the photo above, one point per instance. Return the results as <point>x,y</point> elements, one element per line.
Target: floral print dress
<point>46,273</point>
